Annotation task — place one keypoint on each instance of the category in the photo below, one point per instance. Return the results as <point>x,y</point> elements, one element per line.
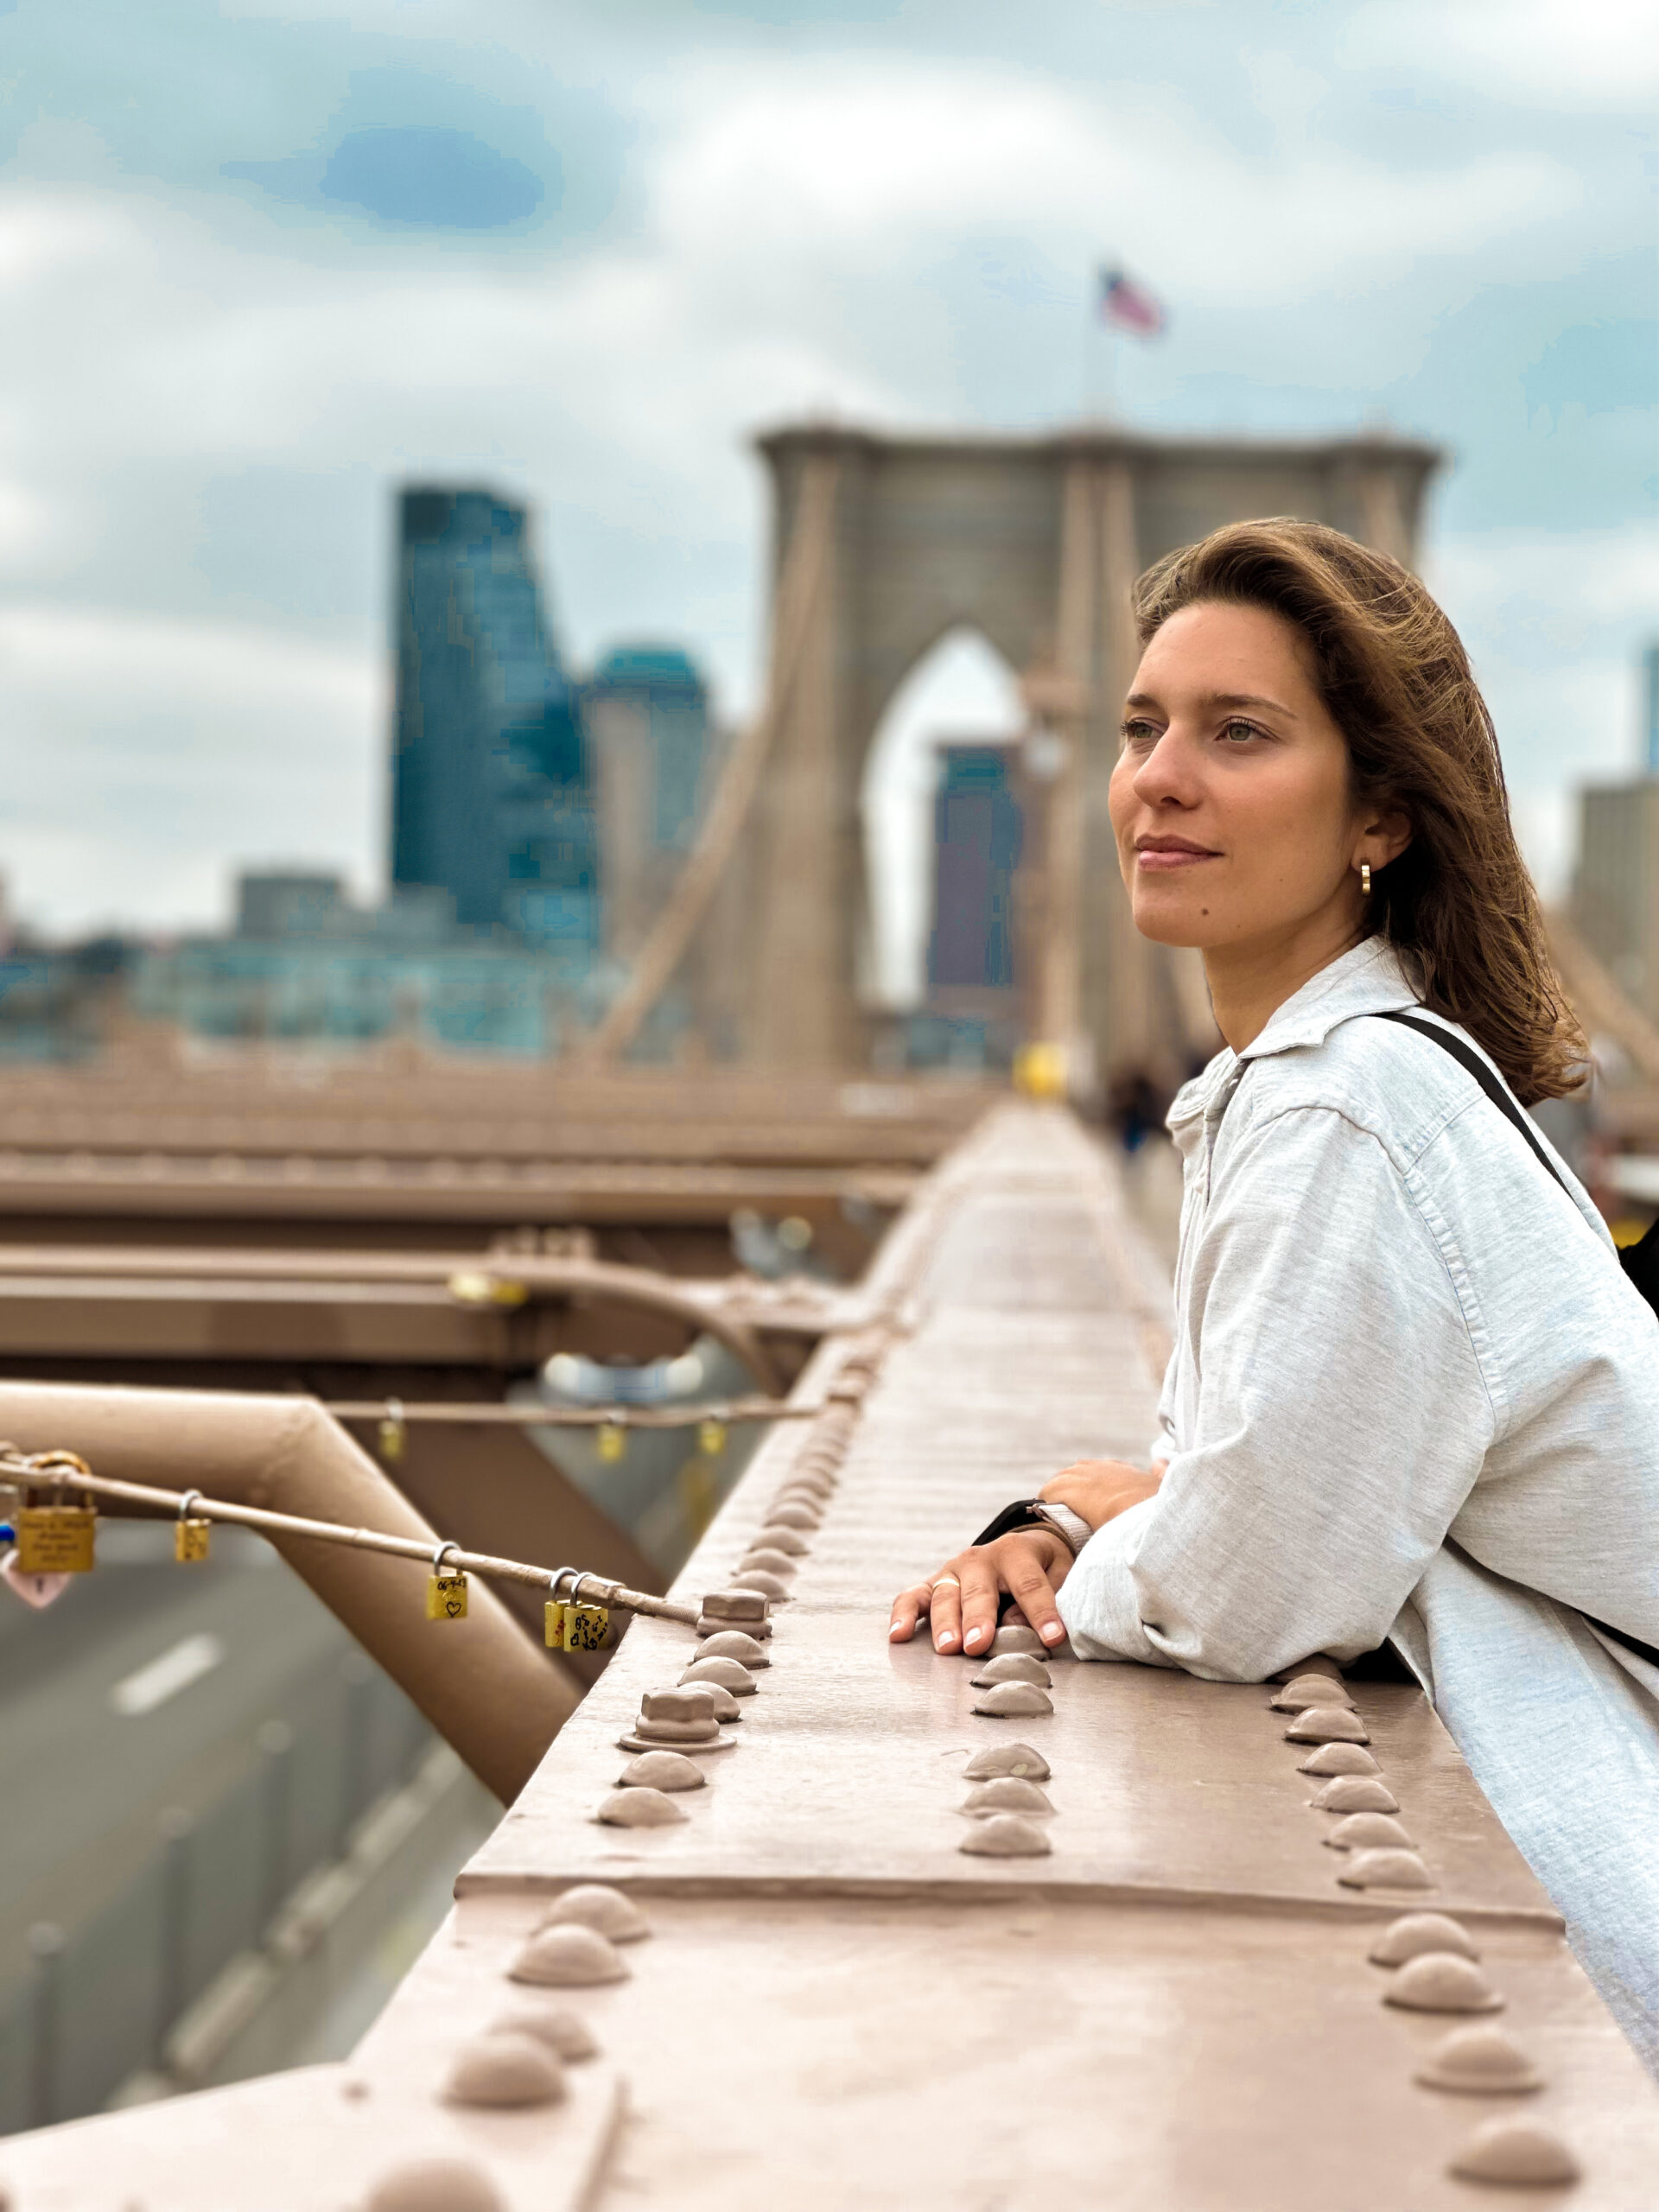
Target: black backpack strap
<point>1467,1058</point>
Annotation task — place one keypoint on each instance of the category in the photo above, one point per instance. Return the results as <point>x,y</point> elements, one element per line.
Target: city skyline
<point>263,267</point>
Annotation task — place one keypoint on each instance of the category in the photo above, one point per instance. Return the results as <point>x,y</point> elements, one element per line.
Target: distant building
<point>1616,884</point>
<point>491,797</point>
<point>646,711</point>
<point>975,983</point>
<point>304,965</point>
<point>1615,899</point>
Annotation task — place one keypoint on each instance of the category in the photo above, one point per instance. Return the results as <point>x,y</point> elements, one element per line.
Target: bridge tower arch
<point>1034,542</point>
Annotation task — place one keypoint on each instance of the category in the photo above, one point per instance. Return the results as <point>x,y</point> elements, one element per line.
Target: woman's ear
<point>1385,837</point>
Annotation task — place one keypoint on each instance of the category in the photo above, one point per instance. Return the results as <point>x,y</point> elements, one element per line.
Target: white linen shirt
<point>1412,1394</point>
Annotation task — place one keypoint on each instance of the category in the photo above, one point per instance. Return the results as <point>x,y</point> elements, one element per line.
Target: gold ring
<point>954,1580</point>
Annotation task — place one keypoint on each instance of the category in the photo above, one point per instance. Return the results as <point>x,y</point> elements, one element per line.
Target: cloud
<point>140,754</point>
<point>877,164</point>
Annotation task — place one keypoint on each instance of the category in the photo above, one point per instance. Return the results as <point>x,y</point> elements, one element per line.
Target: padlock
<point>190,1541</point>
<point>711,1437</point>
<point>586,1628</point>
<point>553,1625</point>
<point>393,1434</point>
<point>55,1539</point>
<point>613,1441</point>
<point>446,1593</point>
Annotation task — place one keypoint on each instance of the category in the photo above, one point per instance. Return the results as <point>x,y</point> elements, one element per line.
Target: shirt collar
<point>1368,978</point>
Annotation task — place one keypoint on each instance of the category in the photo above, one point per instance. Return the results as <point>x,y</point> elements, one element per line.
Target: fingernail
<point>1051,1631</point>
<point>974,1638</point>
<point>946,1641</point>
<point>894,1633</point>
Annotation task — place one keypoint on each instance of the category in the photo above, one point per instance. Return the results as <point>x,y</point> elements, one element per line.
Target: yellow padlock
<point>553,1625</point>
<point>446,1594</point>
<point>393,1433</point>
<point>613,1441</point>
<point>711,1437</point>
<point>55,1539</point>
<point>191,1534</point>
<point>586,1628</point>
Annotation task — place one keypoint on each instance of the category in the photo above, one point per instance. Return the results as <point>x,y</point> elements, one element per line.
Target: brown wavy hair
<point>1458,903</point>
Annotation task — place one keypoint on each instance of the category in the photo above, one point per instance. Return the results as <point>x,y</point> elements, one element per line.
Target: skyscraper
<point>492,801</point>
<point>645,710</point>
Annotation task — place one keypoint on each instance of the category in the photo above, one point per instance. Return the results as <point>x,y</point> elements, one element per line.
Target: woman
<point>1413,1396</point>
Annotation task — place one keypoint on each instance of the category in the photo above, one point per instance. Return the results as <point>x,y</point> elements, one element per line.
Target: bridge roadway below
<point>1174,2010</point>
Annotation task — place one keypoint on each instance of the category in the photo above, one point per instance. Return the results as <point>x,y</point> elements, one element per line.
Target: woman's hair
<point>1458,903</point>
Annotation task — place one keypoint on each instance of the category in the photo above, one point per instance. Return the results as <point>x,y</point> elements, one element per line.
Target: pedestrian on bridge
<point>1413,1399</point>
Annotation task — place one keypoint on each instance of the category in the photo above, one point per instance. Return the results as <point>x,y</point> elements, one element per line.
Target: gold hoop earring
<point>1365,879</point>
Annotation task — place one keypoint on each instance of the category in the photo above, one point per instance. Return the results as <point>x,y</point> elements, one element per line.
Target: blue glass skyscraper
<point>491,799</point>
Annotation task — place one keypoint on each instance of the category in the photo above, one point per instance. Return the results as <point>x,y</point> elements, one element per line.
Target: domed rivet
<point>435,2185</point>
<point>1326,1724</point>
<point>1339,1758</point>
<point>1309,1690</point>
<point>504,2070</point>
<point>1368,1831</point>
<point>1355,1792</point>
<point>1014,1666</point>
<point>726,1675</point>
<point>772,1586</point>
<point>1005,1835</point>
<point>1008,1793</point>
<point>1414,1933</point>
<point>1385,1870</point>
<point>639,1809</point>
<point>569,1957</point>
<point>597,1905</point>
<point>1442,1982</point>
<point>1015,1638</point>
<point>1518,2151</point>
<point>1482,2061</point>
<point>735,1643</point>
<point>1018,1701</point>
<point>662,1771</point>
<point>1006,1758</point>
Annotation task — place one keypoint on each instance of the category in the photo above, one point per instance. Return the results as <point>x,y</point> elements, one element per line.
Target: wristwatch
<point>1071,1527</point>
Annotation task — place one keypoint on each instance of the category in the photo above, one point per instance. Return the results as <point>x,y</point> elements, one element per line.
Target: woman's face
<point>1230,799</point>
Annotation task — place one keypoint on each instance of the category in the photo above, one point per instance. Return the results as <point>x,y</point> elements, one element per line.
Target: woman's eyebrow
<point>1222,699</point>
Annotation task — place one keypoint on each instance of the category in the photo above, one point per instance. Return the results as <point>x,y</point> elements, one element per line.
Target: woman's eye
<point>1140,733</point>
<point>1239,733</point>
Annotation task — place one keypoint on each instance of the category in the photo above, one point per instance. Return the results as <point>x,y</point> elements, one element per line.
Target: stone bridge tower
<point>1035,541</point>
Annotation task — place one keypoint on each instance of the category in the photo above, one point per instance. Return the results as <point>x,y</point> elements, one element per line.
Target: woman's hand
<point>963,1597</point>
<point>1098,1490</point>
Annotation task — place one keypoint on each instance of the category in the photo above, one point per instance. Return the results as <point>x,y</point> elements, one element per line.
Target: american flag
<point>1129,306</point>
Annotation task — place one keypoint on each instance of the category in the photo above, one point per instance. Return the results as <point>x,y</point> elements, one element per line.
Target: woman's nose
<point>1168,774</point>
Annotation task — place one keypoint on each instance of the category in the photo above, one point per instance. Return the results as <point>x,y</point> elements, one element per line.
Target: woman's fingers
<point>946,1609</point>
<point>908,1608</point>
<point>1026,1574</point>
<point>981,1595</point>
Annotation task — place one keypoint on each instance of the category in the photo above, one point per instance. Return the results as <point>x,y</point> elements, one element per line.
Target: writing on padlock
<point>55,1539</point>
<point>446,1597</point>
<point>586,1628</point>
<point>446,1588</point>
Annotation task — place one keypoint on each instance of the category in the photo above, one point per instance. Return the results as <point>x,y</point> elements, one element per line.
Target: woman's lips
<point>1153,860</point>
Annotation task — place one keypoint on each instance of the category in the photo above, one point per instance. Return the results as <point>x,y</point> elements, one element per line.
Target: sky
<point>260,264</point>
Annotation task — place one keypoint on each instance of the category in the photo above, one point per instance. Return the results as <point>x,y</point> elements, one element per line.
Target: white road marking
<point>174,1669</point>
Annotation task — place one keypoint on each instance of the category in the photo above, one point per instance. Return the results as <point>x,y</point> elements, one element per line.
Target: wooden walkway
<point>1174,2009</point>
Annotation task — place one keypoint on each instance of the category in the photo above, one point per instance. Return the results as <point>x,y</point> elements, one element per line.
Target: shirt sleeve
<point>1341,1419</point>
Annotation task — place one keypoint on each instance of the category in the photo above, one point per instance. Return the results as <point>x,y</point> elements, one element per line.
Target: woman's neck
<point>1250,982</point>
